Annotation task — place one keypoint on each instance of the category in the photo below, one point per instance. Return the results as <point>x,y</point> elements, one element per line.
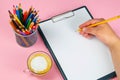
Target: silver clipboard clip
<point>62,16</point>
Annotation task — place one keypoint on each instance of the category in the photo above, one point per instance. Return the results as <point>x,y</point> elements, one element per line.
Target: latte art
<point>39,63</point>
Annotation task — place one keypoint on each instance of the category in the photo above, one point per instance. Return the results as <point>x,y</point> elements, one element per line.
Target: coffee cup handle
<point>27,71</point>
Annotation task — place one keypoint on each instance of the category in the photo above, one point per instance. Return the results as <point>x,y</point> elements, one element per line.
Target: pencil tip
<point>13,6</point>
<point>9,11</point>
<point>79,30</point>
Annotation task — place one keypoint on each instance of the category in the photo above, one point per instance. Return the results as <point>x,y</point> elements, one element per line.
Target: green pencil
<point>28,24</point>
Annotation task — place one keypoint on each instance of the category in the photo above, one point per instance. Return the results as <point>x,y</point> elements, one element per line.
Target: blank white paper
<point>80,58</point>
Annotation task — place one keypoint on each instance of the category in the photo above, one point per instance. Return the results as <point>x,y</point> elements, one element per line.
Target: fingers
<point>89,22</point>
<point>92,31</point>
<point>89,32</point>
<point>89,36</point>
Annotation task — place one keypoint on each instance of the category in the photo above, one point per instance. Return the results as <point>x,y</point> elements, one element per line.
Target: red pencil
<point>25,15</point>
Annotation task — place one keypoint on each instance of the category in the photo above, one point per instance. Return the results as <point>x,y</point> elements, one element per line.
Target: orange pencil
<point>13,25</point>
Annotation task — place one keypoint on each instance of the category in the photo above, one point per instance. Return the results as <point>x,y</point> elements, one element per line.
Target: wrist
<point>115,43</point>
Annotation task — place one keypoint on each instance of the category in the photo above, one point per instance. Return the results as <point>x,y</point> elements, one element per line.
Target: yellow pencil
<point>16,18</point>
<point>102,22</point>
<point>31,25</point>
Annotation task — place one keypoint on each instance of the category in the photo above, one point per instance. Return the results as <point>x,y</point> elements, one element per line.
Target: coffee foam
<point>39,64</point>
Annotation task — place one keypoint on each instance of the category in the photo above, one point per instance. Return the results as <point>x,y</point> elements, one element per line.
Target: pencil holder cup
<point>39,63</point>
<point>26,40</point>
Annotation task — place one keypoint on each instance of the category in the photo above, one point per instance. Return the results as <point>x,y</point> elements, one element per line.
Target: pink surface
<point>13,57</point>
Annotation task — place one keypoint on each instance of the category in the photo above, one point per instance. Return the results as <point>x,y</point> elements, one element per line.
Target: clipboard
<point>76,57</point>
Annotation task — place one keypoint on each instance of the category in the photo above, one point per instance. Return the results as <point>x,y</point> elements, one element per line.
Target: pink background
<point>13,57</point>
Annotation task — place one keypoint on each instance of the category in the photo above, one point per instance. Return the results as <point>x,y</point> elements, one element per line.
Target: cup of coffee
<point>39,63</point>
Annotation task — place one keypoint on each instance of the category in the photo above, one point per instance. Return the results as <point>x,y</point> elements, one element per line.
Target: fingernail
<point>84,29</point>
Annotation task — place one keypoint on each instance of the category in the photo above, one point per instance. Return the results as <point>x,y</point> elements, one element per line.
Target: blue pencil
<point>35,19</point>
<point>17,12</point>
<point>28,19</point>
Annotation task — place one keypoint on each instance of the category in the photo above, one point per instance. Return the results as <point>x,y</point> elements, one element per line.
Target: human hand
<point>103,32</point>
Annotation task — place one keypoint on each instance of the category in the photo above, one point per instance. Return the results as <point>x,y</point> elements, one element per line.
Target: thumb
<point>91,31</point>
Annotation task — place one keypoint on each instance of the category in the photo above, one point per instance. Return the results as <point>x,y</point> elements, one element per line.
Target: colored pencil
<point>24,23</point>
<point>102,22</point>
